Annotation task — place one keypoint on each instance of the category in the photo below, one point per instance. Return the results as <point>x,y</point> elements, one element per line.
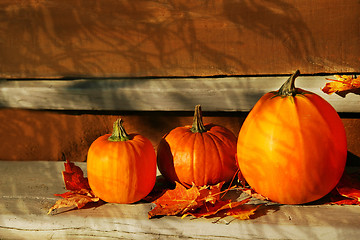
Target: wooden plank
<point>26,193</point>
<point>44,39</point>
<point>158,94</point>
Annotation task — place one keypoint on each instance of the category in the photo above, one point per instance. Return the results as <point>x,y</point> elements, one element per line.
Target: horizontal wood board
<point>26,194</point>
<point>79,38</point>
<point>158,94</point>
<point>28,135</point>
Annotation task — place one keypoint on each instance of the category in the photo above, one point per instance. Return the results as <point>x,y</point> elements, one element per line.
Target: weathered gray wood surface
<point>158,94</point>
<point>26,194</point>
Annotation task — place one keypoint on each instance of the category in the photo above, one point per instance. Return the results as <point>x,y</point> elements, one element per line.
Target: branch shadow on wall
<point>144,36</point>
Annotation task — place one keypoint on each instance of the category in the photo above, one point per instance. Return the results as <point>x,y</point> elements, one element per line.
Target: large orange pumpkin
<point>292,146</point>
<point>121,167</point>
<point>198,154</point>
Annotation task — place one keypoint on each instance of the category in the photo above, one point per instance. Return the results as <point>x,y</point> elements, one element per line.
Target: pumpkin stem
<point>288,88</point>
<point>119,133</point>
<point>198,125</point>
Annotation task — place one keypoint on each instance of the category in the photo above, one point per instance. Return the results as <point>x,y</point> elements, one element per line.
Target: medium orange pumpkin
<point>121,167</point>
<point>292,146</point>
<point>199,154</point>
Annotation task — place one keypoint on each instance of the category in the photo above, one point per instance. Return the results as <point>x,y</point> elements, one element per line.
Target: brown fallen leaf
<point>210,210</point>
<point>254,194</point>
<point>341,84</point>
<point>73,199</point>
<point>80,192</point>
<point>243,212</point>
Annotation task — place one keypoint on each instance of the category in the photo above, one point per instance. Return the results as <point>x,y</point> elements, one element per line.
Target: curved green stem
<point>119,133</point>
<point>198,125</point>
<point>288,88</point>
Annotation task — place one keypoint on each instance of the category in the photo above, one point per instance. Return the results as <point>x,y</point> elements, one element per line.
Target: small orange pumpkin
<point>121,167</point>
<point>292,145</point>
<point>199,154</point>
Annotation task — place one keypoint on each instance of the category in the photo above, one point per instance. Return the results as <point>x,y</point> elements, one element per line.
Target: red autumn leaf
<point>74,177</point>
<point>349,187</point>
<point>338,200</point>
<point>341,84</point>
<point>80,192</point>
<point>347,191</point>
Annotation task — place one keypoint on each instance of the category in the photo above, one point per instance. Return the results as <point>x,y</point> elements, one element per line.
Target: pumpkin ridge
<point>144,166</point>
<point>190,167</point>
<point>226,136</point>
<point>195,158</point>
<point>300,139</point>
<point>204,158</point>
<point>174,148</point>
<point>280,143</point>
<point>133,168</point>
<point>323,116</point>
<point>125,165</point>
<point>317,113</point>
<point>179,148</point>
<point>219,155</point>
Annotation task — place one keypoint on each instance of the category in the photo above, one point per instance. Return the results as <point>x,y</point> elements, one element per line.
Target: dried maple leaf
<point>80,192</point>
<point>341,84</point>
<point>176,201</point>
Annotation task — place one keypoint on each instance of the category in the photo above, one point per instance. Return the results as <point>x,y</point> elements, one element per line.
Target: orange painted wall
<point>79,38</point>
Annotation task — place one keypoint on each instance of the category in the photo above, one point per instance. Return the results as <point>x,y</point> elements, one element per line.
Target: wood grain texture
<point>26,194</point>
<point>158,94</point>
<point>53,39</point>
